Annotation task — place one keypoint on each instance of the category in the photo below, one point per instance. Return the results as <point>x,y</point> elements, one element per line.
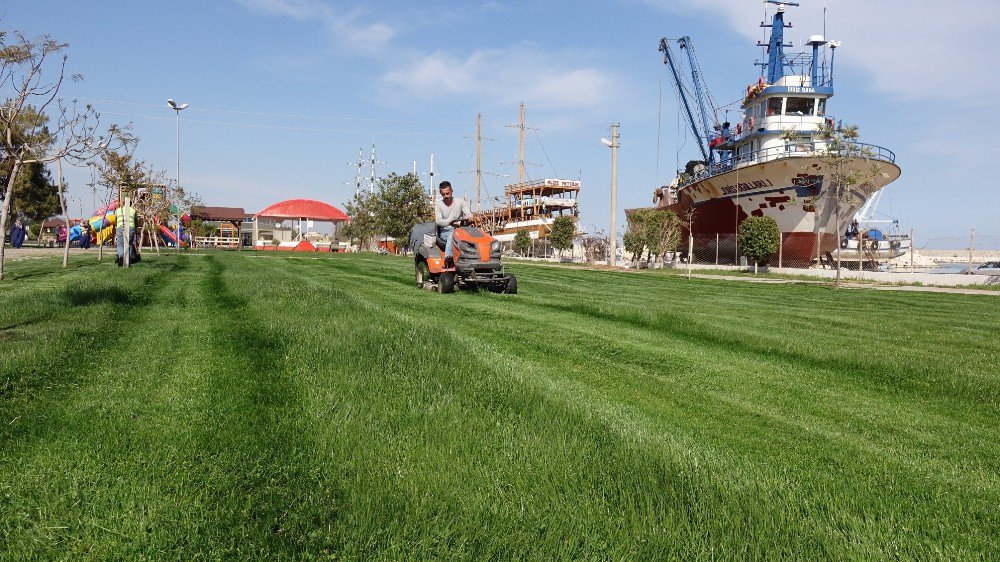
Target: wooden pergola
<point>235,215</point>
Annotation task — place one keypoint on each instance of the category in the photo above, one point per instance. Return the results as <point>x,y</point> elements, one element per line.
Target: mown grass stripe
<point>328,408</point>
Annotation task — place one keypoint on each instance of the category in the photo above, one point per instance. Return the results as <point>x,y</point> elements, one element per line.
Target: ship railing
<point>793,149</point>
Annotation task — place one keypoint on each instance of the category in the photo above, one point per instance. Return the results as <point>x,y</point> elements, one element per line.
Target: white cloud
<point>351,28</point>
<point>503,76</point>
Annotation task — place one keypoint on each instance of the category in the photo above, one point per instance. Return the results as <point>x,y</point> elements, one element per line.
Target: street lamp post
<point>613,239</point>
<point>177,111</point>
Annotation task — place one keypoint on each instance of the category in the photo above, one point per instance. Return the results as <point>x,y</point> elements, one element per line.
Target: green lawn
<point>274,406</point>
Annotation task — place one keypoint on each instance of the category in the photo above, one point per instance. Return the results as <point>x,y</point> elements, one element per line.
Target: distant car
<point>989,268</point>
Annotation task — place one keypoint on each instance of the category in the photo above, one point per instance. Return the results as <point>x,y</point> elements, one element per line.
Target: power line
<point>282,127</point>
<point>282,115</point>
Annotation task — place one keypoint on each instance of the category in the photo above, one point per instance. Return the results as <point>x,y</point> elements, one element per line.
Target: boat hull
<point>793,190</point>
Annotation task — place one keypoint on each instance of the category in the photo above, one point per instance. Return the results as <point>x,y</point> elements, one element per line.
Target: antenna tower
<point>360,165</point>
<point>374,178</point>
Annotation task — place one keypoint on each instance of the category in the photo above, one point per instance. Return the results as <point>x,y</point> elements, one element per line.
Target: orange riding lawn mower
<point>476,257</point>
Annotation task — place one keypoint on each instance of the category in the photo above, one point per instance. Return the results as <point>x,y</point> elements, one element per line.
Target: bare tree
<point>851,170</point>
<point>595,245</point>
<point>26,67</point>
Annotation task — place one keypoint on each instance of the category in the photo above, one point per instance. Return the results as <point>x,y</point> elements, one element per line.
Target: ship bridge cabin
<point>781,119</point>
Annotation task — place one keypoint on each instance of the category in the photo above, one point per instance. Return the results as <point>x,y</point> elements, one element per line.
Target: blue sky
<point>284,92</point>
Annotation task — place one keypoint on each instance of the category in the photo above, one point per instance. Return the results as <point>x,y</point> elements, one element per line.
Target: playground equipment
<point>169,232</point>
<point>102,222</point>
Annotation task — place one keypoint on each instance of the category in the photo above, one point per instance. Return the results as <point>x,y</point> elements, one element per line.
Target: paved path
<point>852,285</point>
<point>32,252</point>
<point>788,281</point>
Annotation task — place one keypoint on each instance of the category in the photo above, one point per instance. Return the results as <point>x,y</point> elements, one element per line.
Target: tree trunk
<point>8,197</point>
<point>62,203</point>
<point>836,214</point>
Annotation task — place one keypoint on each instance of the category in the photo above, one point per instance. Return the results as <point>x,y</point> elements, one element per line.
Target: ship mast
<point>479,138</point>
<point>776,45</point>
<point>520,144</point>
<point>520,147</point>
<point>479,162</point>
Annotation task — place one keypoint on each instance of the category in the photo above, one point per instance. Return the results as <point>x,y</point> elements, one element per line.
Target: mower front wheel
<point>446,282</point>
<point>511,288</point>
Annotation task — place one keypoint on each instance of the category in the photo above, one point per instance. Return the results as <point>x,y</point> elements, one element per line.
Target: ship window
<point>822,108</point>
<point>800,106</point>
<point>774,106</point>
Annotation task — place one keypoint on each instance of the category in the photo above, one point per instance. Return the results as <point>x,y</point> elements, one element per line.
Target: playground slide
<point>170,237</point>
<point>103,222</point>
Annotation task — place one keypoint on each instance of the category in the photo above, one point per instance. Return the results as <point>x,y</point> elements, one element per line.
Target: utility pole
<point>972,246</point>
<point>912,246</point>
<point>177,112</point>
<point>613,245</point>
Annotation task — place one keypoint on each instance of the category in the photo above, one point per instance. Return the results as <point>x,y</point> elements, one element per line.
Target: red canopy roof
<point>303,209</point>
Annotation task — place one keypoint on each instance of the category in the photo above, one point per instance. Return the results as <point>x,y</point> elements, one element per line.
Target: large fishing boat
<point>779,160</point>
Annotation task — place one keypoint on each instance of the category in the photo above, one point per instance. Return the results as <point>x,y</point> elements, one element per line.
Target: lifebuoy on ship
<point>739,129</point>
<point>761,83</point>
<point>895,245</point>
<point>843,243</point>
<point>874,245</point>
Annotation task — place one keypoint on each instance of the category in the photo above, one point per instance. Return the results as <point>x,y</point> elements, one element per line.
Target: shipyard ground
<point>265,405</point>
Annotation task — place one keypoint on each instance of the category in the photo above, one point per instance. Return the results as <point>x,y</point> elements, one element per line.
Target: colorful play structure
<point>305,211</point>
<point>102,223</point>
<point>168,232</point>
<point>102,228</point>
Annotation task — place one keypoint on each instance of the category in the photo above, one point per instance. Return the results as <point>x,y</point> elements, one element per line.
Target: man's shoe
<point>449,262</point>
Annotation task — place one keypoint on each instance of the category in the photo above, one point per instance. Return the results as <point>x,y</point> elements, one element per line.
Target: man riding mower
<point>476,257</point>
<point>449,253</point>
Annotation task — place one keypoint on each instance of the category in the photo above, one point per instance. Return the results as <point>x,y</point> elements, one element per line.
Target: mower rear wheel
<point>446,282</point>
<point>511,288</point>
<point>422,274</point>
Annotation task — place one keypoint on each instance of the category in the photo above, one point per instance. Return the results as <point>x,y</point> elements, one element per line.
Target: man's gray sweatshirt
<point>447,214</point>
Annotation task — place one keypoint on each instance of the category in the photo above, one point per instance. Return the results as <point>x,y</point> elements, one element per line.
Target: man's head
<point>446,191</point>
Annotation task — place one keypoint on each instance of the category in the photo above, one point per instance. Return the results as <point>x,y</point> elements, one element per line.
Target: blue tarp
<point>875,234</point>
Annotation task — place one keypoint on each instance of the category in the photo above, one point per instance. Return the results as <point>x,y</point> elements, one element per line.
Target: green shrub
<point>759,238</point>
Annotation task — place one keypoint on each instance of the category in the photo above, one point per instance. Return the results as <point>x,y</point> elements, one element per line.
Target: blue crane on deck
<point>701,128</point>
